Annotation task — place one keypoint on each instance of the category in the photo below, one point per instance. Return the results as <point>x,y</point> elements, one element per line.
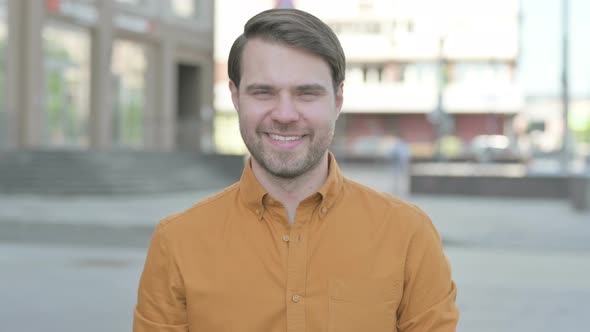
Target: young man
<point>294,246</point>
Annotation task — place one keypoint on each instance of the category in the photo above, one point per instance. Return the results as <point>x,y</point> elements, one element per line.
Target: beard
<point>288,164</point>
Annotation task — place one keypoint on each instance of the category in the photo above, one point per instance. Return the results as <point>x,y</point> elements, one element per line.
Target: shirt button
<point>296,298</point>
<point>324,210</point>
<point>286,238</point>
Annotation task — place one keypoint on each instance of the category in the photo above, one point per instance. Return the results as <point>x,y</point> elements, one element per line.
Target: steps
<point>116,172</point>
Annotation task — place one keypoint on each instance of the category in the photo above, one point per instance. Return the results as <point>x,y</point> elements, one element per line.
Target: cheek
<point>248,124</point>
<point>254,111</point>
<point>322,116</point>
<point>253,126</point>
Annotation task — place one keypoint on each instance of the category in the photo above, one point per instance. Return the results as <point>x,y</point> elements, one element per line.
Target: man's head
<point>286,74</point>
<point>294,28</point>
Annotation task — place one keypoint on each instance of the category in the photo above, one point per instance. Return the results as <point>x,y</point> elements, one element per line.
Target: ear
<point>339,97</point>
<point>234,94</point>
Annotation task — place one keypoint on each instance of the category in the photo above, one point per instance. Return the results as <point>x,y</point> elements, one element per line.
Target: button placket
<point>296,278</point>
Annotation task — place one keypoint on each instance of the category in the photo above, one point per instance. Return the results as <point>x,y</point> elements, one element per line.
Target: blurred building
<point>542,121</point>
<point>106,74</point>
<point>418,69</point>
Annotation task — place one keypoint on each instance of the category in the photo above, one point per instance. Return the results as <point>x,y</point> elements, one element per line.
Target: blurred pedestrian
<point>294,245</point>
<point>400,163</point>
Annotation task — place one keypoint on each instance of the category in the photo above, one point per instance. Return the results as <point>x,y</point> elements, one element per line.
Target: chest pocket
<point>363,305</point>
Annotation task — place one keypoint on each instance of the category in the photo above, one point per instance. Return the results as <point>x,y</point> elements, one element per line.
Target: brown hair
<point>293,28</point>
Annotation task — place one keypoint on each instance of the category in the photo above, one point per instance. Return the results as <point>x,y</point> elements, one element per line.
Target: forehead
<point>274,63</point>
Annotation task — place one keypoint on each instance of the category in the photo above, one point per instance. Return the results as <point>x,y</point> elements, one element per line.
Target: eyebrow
<point>257,86</point>
<point>300,88</point>
<point>311,87</point>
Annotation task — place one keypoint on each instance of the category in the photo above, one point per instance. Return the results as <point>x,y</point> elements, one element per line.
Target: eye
<point>309,93</point>
<point>262,94</point>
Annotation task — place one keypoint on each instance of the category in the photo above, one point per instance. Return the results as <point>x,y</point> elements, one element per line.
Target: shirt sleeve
<point>428,301</point>
<point>161,301</point>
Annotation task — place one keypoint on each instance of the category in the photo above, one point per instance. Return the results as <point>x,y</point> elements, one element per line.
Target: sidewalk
<point>520,265</point>
<point>462,221</point>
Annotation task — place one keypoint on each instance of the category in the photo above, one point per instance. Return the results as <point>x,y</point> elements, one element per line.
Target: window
<point>67,85</point>
<point>138,3</point>
<point>129,67</point>
<point>354,73</point>
<point>186,9</point>
<point>411,27</point>
<point>390,73</point>
<point>372,74</point>
<point>336,27</point>
<point>402,27</point>
<point>419,73</point>
<point>485,72</point>
<point>366,27</point>
<point>365,6</point>
<point>142,7</point>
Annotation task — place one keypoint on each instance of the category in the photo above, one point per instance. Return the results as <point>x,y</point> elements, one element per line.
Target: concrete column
<point>101,94</point>
<point>206,112</point>
<point>150,116</point>
<point>10,127</point>
<point>26,24</point>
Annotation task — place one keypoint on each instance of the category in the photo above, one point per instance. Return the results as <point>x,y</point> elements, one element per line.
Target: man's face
<point>287,107</point>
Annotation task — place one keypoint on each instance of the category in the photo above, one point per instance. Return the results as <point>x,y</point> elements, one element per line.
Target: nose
<point>285,110</point>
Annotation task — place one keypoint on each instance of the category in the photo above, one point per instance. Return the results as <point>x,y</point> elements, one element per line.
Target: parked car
<point>370,147</point>
<point>490,148</point>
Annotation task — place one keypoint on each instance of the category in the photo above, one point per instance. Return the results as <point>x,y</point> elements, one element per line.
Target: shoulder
<point>386,207</point>
<point>202,213</point>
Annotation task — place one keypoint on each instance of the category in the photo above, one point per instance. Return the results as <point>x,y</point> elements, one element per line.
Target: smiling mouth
<point>282,138</point>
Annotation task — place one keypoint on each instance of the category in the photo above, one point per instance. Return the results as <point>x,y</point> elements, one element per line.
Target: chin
<point>291,169</point>
<point>283,170</point>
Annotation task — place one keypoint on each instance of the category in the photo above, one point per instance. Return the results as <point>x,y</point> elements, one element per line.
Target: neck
<point>290,192</point>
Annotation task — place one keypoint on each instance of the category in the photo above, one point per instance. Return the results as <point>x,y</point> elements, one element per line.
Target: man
<point>294,246</point>
<point>400,164</point>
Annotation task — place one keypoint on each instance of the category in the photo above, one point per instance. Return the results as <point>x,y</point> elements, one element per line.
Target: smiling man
<point>294,245</point>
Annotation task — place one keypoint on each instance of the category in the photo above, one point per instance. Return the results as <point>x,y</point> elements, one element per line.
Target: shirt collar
<point>332,188</point>
<point>253,194</point>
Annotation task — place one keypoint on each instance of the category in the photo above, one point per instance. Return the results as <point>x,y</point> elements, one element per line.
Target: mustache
<point>282,128</point>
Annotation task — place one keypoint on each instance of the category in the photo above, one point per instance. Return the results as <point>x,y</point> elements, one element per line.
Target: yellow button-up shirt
<point>353,260</point>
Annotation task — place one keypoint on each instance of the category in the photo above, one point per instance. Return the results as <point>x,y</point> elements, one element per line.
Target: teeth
<point>284,138</point>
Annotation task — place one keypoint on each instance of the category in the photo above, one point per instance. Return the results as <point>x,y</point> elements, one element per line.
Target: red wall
<point>468,126</point>
<point>414,128</point>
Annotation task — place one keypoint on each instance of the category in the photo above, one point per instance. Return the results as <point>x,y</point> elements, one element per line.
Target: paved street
<point>67,289</point>
<point>71,264</point>
<point>60,288</point>
<point>508,290</point>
